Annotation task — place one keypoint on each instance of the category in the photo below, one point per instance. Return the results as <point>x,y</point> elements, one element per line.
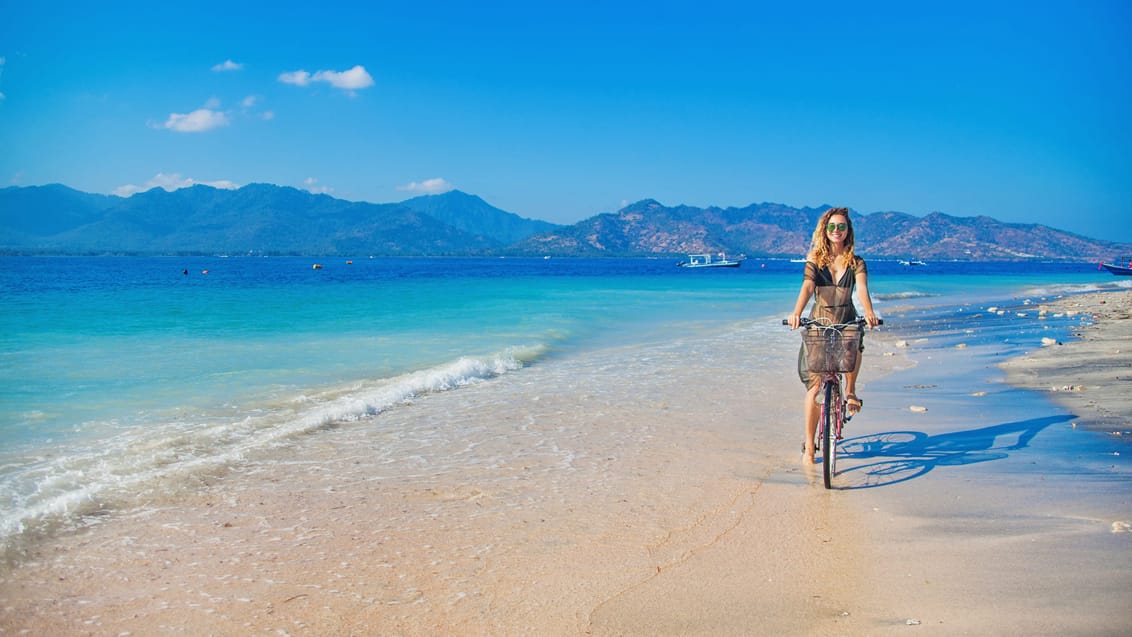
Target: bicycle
<point>831,350</point>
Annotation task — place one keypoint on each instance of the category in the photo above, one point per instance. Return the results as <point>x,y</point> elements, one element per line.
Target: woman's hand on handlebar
<point>794,321</point>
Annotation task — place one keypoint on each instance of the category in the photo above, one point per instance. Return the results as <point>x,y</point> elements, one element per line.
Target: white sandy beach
<point>659,505</point>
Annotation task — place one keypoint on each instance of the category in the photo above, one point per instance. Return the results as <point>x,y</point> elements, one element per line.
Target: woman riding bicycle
<point>832,273</point>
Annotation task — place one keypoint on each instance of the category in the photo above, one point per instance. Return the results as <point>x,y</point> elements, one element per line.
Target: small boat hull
<point>707,261</point>
<point>1117,270</point>
<point>716,264</point>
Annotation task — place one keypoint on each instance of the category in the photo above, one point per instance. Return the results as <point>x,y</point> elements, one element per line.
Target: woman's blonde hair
<point>820,248</point>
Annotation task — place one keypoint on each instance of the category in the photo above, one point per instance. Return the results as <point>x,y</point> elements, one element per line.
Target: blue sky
<point>563,110</point>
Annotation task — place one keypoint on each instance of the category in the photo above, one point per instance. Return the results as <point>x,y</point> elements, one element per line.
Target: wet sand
<point>657,505</point>
<point>1091,374</point>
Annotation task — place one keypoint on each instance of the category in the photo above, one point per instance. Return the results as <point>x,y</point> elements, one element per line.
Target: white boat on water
<point>912,262</point>
<point>708,261</point>
<point>1118,268</point>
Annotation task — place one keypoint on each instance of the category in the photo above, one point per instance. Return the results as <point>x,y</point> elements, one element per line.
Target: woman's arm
<point>865,299</point>
<point>804,296</point>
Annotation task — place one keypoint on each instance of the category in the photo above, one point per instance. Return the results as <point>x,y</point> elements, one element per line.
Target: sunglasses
<point>835,227</point>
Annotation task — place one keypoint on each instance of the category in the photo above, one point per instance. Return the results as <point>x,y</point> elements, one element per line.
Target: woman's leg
<point>810,413</point>
<point>851,386</point>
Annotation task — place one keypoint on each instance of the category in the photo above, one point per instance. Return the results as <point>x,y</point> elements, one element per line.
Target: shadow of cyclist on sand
<point>899,456</point>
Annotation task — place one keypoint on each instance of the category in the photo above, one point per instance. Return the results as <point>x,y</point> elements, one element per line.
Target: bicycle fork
<point>840,414</point>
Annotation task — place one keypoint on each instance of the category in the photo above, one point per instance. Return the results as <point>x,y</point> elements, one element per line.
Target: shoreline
<point>652,506</point>
<point>1091,373</point>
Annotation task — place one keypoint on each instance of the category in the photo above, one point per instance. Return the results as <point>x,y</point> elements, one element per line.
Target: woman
<point>832,273</point>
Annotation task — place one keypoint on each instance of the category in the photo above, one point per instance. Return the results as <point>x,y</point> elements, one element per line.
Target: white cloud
<point>350,80</point>
<point>355,78</point>
<point>267,115</point>
<point>433,186</point>
<point>311,184</point>
<point>249,101</point>
<point>298,78</point>
<point>212,104</point>
<point>228,65</point>
<point>198,121</point>
<point>170,183</point>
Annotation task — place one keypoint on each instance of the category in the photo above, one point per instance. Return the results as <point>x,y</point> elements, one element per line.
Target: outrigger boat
<point>1119,270</point>
<point>707,261</point>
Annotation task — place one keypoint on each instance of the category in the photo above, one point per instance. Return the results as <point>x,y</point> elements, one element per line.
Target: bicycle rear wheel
<point>830,412</point>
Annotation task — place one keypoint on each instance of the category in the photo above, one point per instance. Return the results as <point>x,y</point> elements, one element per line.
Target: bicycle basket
<point>832,350</point>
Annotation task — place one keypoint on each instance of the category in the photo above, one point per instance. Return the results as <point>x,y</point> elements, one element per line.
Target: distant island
<point>264,219</point>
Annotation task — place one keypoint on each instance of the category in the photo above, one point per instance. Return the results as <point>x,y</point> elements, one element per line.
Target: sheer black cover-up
<point>833,302</point>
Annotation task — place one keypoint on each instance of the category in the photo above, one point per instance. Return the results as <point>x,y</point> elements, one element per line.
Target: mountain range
<point>265,219</point>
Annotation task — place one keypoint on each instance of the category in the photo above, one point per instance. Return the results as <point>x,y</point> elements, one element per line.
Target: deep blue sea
<point>116,372</point>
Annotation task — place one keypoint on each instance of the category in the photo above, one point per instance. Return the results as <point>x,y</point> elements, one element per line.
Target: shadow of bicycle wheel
<point>888,458</point>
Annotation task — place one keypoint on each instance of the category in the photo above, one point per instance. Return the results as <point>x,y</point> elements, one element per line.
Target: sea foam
<point>42,492</point>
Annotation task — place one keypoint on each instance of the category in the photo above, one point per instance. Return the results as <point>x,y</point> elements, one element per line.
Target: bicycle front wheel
<point>831,411</point>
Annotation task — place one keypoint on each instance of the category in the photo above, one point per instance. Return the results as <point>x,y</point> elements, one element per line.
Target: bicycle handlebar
<point>809,322</point>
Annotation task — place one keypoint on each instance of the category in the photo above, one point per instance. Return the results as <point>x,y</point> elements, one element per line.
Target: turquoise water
<point>118,372</point>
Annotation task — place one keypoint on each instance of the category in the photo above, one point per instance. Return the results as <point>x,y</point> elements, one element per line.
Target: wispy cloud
<point>228,65</point>
<point>351,80</point>
<point>248,107</point>
<point>311,184</point>
<point>298,78</point>
<point>171,182</point>
<point>3,61</point>
<point>198,121</point>
<point>433,186</point>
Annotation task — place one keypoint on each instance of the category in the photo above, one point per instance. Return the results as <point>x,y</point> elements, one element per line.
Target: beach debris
<point>1121,527</point>
<point>961,346</point>
<point>918,409</point>
<point>912,622</point>
<point>1047,341</point>
<point>902,343</point>
<point>1068,388</point>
